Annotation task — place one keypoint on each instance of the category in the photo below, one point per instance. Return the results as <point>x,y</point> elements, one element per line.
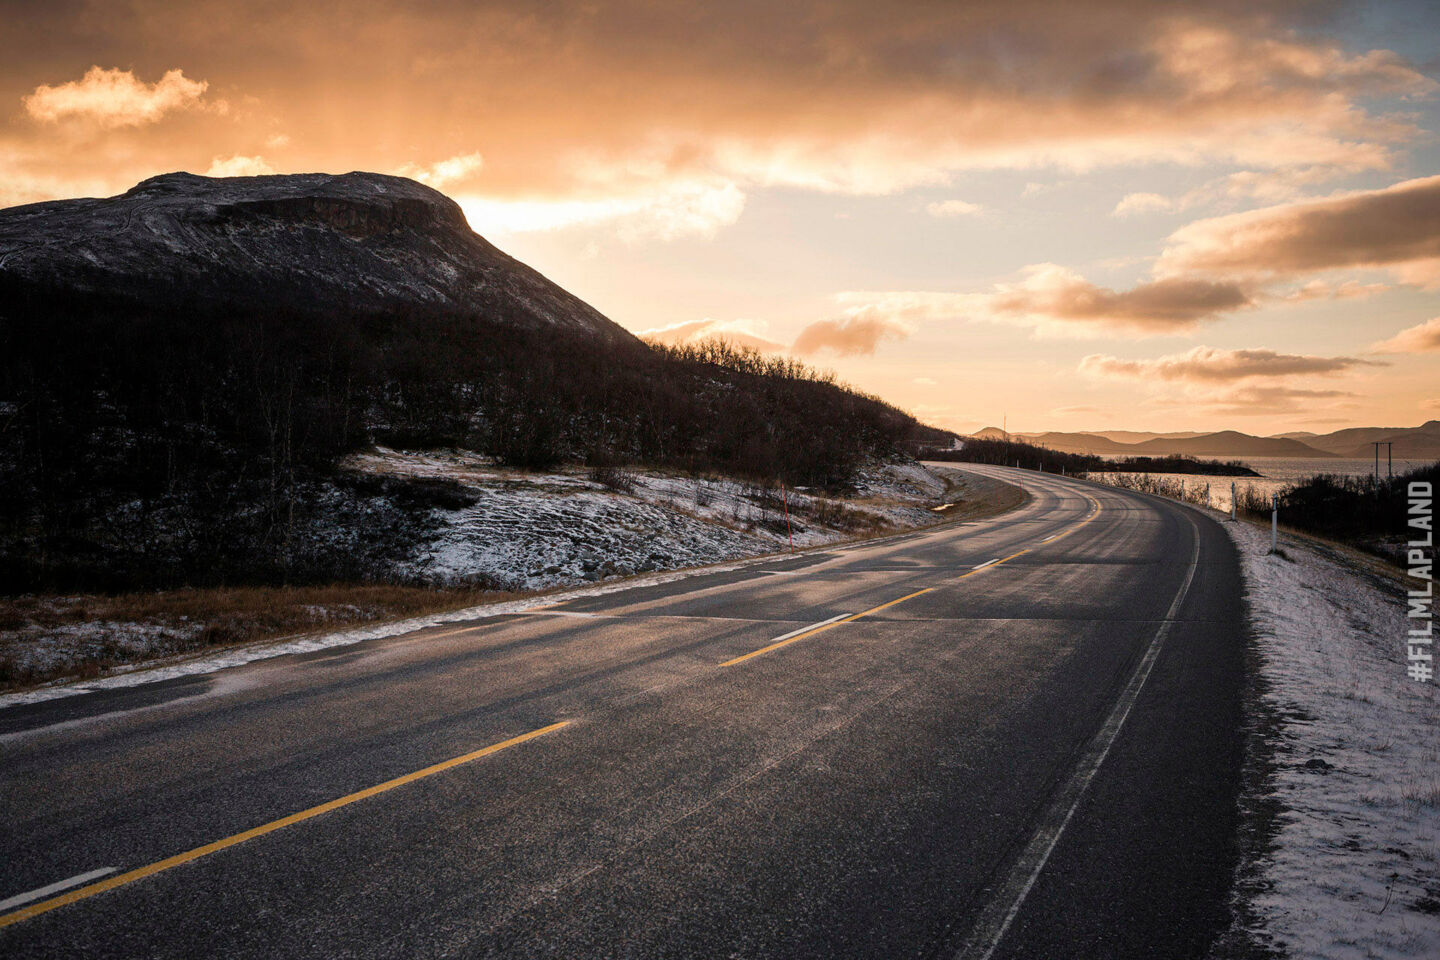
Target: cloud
<point>1421,338</point>
<point>1210,365</point>
<point>744,333</point>
<point>953,208</point>
<point>1072,411</point>
<point>585,106</point>
<point>1269,186</point>
<point>1163,306</point>
<point>17,187</point>
<point>1133,203</point>
<point>114,98</point>
<point>456,169</point>
<point>1059,301</point>
<point>924,381</point>
<point>850,336</point>
<point>1397,228</point>
<point>238,166</point>
<point>679,209</point>
<point>1035,189</point>
<point>1255,401</point>
<point>1321,290</point>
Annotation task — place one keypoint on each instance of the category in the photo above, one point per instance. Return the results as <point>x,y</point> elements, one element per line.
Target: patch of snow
<point>1207,491</point>
<point>537,531</point>
<point>61,646</point>
<point>546,531</point>
<point>135,674</point>
<point>1355,867</point>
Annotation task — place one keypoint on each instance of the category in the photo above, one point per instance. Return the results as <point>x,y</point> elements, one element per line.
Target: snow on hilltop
<point>315,241</point>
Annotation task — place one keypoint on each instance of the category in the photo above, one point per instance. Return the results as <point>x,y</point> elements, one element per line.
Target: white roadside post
<point>1274,519</point>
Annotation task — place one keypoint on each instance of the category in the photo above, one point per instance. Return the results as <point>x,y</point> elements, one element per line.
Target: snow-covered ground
<point>524,532</point>
<point>1213,492</point>
<point>1353,868</point>
<point>535,531</point>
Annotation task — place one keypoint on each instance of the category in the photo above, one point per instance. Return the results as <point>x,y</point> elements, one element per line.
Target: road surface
<point>894,749</point>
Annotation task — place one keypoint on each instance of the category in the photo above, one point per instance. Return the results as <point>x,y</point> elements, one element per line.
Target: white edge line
<point>822,623</point>
<point>1000,912</point>
<point>20,899</point>
<point>982,566</point>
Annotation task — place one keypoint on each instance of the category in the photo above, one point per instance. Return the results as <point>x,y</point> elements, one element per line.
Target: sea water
<point>1276,473</point>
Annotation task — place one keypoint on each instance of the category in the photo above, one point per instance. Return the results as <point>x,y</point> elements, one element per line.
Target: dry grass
<point>50,638</point>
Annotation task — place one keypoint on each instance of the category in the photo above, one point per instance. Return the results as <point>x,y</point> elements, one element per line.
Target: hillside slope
<point>362,241</point>
<point>182,366</point>
<point>1410,443</point>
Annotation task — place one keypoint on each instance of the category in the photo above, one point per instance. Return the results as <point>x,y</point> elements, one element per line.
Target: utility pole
<point>1389,446</point>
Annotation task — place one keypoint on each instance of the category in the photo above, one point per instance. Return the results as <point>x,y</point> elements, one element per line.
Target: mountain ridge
<point>1222,443</point>
<point>366,241</point>
<point>1410,443</point>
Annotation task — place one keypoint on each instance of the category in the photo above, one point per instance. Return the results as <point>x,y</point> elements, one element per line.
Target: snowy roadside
<point>1346,798</point>
<point>131,675</point>
<point>560,533</point>
<point>536,531</point>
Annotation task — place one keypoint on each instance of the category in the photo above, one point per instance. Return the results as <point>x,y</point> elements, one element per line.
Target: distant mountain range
<point>1410,443</point>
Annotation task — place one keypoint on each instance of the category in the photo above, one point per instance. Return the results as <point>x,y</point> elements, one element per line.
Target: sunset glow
<point>1166,216</point>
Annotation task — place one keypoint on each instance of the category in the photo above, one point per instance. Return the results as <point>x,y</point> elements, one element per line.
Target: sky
<point>1063,216</point>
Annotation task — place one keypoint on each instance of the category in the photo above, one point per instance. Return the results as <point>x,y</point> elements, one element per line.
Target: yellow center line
<point>1093,514</point>
<point>822,628</point>
<point>992,566</point>
<point>140,873</point>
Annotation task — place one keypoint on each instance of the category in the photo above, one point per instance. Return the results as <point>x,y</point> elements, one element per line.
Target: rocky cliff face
<point>359,241</point>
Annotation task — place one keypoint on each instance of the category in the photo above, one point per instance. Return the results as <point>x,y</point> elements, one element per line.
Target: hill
<point>1231,443</point>
<point>1410,443</point>
<point>1078,443</point>
<point>182,366</point>
<point>1228,443</point>
<point>310,242</point>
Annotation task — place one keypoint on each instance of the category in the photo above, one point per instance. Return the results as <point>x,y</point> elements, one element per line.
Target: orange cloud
<point>1421,338</point>
<point>744,333</point>
<point>1211,365</point>
<point>851,336</point>
<point>658,119</point>
<point>456,169</point>
<point>1257,401</point>
<point>1269,186</point>
<point>1397,228</point>
<point>1060,301</point>
<point>238,166</point>
<point>114,98</point>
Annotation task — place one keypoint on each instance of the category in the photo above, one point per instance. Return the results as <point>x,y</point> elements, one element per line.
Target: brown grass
<point>191,620</point>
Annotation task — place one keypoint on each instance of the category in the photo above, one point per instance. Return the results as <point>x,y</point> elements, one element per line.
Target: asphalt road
<point>1036,758</point>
